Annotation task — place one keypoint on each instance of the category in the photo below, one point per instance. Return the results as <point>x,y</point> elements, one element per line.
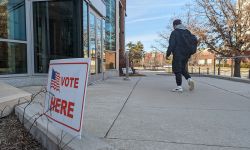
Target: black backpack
<point>191,41</point>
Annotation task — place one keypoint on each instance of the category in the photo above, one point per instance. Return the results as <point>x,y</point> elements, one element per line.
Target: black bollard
<point>219,67</point>
<point>249,74</point>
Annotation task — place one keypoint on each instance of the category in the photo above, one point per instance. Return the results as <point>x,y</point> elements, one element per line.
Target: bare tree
<point>223,26</point>
<point>161,44</point>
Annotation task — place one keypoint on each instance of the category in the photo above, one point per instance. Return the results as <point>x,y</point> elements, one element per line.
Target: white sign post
<point>67,84</point>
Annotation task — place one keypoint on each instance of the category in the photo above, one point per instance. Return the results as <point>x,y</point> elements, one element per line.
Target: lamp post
<point>127,65</point>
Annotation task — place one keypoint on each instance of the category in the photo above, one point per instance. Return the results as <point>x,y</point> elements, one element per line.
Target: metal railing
<point>219,67</point>
<point>224,66</point>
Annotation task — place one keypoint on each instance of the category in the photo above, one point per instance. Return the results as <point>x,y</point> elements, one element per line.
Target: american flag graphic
<point>55,80</point>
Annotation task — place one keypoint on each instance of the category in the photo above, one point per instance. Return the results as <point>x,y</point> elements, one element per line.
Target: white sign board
<point>130,71</point>
<point>67,84</point>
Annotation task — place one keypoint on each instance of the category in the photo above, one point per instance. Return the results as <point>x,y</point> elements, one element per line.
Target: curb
<point>236,79</point>
<point>53,138</point>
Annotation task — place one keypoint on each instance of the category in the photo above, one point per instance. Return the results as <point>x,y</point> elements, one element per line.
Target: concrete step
<point>10,97</point>
<point>50,136</point>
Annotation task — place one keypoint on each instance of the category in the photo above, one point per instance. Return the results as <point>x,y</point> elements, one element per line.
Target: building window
<point>13,58</point>
<point>12,20</point>
<point>209,61</point>
<point>55,32</point>
<point>201,62</point>
<point>110,58</point>
<point>217,62</point>
<point>92,43</point>
<point>111,25</point>
<point>103,46</point>
<point>85,31</point>
<point>13,47</point>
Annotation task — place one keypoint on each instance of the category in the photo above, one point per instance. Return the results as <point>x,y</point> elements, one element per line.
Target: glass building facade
<point>34,32</point>
<point>55,34</point>
<point>13,43</point>
<point>110,31</point>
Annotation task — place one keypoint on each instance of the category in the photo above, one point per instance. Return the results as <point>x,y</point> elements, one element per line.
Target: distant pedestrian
<point>179,46</point>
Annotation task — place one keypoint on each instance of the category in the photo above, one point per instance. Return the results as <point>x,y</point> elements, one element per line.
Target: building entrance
<point>55,32</point>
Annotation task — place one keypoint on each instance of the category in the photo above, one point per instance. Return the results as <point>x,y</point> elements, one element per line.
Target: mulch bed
<point>13,135</point>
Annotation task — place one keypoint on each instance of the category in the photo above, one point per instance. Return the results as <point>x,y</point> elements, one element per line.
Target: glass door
<point>55,32</point>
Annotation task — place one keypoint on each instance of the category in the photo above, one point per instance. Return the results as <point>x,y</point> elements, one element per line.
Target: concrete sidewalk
<point>143,114</point>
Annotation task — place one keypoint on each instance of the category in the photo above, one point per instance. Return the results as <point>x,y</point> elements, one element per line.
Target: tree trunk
<point>237,63</point>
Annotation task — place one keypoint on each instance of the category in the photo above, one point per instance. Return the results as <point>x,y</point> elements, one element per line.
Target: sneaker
<point>191,84</point>
<point>178,89</point>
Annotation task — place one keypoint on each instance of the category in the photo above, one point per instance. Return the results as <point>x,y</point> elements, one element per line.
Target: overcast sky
<point>146,18</point>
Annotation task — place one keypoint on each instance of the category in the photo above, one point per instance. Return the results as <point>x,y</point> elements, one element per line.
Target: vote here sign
<point>67,84</point>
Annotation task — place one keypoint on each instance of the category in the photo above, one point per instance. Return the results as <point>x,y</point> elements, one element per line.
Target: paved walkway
<point>143,114</point>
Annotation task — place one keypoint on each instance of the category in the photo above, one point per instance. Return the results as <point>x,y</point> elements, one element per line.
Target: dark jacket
<point>179,49</point>
<point>177,44</point>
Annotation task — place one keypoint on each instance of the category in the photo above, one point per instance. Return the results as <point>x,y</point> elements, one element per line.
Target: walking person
<point>180,48</point>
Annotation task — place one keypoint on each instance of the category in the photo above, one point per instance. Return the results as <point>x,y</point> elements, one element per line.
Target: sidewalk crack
<point>131,92</point>
<point>183,143</point>
<point>225,90</point>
